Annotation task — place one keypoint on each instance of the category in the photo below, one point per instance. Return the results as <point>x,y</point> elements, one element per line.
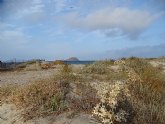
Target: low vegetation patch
<point>40,98</point>
<point>5,91</point>
<point>100,67</point>
<point>147,95</point>
<point>44,97</point>
<point>84,99</point>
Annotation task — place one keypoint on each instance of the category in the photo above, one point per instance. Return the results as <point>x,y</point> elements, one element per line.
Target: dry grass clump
<point>110,76</point>
<point>32,62</point>
<point>46,66</point>
<point>83,98</point>
<point>66,69</point>
<point>5,91</point>
<point>100,67</point>
<point>30,65</point>
<point>121,75</point>
<point>21,66</point>
<point>40,97</point>
<point>66,75</point>
<point>148,94</point>
<point>150,75</point>
<point>103,71</point>
<point>58,62</point>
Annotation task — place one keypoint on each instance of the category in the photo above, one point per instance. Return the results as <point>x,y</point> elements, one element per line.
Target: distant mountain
<point>72,59</point>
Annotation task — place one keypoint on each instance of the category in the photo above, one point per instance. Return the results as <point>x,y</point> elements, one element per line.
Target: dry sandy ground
<point>9,114</point>
<point>22,77</point>
<point>157,63</point>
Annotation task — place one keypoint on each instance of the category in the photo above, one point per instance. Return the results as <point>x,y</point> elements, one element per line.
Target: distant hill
<point>72,59</point>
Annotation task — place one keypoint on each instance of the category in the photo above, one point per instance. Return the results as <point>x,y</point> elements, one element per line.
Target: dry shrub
<point>66,69</point>
<point>149,106</point>
<point>66,74</point>
<point>150,75</point>
<point>84,99</point>
<point>147,96</point>
<point>30,65</point>
<point>32,62</point>
<point>108,62</point>
<point>100,67</point>
<point>21,66</point>
<point>40,98</point>
<point>46,66</point>
<point>81,97</point>
<point>121,75</point>
<point>5,91</point>
<point>33,66</point>
<point>102,71</point>
<point>58,62</point>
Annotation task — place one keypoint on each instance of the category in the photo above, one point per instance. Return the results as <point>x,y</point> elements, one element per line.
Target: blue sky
<point>87,29</point>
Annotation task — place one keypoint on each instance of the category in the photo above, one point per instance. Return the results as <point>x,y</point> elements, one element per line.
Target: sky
<point>86,29</point>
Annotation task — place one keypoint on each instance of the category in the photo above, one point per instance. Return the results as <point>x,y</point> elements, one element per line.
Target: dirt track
<point>22,77</point>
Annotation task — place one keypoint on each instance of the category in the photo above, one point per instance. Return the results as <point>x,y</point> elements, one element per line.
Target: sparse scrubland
<point>126,91</point>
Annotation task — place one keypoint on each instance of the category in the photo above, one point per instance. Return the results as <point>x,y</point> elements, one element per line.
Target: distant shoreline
<point>78,62</point>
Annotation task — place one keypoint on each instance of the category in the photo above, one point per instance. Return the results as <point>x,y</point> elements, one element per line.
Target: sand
<point>9,114</point>
<point>22,77</point>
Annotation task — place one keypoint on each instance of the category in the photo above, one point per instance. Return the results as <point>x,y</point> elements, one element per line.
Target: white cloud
<point>3,26</point>
<point>21,8</point>
<point>37,1</point>
<point>126,21</point>
<point>13,41</point>
<point>35,8</point>
<point>12,37</point>
<point>59,5</point>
